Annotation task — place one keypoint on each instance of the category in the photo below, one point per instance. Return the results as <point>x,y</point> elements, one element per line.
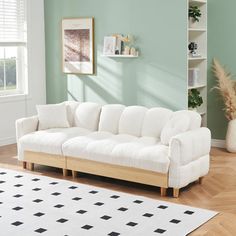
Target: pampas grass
<point>226,87</point>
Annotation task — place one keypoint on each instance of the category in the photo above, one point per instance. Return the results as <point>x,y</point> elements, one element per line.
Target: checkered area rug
<point>38,205</point>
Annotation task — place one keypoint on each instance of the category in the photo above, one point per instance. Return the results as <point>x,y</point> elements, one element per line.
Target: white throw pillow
<point>52,116</point>
<point>179,123</point>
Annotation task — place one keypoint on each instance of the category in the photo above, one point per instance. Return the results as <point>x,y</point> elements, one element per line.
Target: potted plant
<point>227,88</point>
<point>194,14</point>
<point>194,99</point>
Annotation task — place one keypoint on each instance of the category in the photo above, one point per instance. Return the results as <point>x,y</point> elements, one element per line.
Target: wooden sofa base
<point>118,172</point>
<point>98,168</point>
<point>31,158</point>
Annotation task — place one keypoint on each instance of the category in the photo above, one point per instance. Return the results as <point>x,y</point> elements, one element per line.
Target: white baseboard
<point>7,141</point>
<point>218,143</point>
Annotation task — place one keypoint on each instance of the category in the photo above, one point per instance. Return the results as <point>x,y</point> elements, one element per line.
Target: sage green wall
<point>221,44</point>
<point>158,77</point>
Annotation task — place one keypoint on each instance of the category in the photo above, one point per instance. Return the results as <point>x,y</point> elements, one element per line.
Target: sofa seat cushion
<point>50,140</point>
<point>125,150</point>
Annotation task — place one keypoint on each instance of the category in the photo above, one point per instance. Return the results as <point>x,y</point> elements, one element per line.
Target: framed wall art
<point>78,45</point>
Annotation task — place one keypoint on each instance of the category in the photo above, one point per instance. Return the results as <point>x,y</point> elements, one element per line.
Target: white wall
<point>14,107</point>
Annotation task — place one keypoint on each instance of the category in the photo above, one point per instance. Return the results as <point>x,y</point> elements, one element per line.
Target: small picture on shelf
<point>109,46</point>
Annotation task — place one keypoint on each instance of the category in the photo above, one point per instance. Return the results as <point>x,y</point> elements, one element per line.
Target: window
<point>13,47</point>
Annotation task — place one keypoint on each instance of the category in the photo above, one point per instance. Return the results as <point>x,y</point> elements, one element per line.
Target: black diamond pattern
<point>189,212</point>
<point>2,173</point>
<point>115,196</point>
<point>39,214</point>
<point>56,194</point>
<point>162,207</point>
<point>18,195</point>
<point>59,206</point>
<point>131,224</point>
<point>160,231</point>
<point>18,185</point>
<point>138,201</point>
<point>174,221</point>
<point>35,179</point>
<point>36,189</point>
<point>105,217</point>
<point>1,191</point>
<point>122,209</point>
<point>37,200</point>
<point>99,203</point>
<point>93,192</point>
<point>81,211</point>
<point>73,187</point>
<point>54,183</point>
<point>0,202</point>
<point>1,181</point>
<point>17,223</point>
<point>76,198</point>
<point>87,227</point>
<point>114,234</point>
<point>148,215</point>
<point>18,176</point>
<point>17,208</point>
<point>62,220</point>
<point>40,230</point>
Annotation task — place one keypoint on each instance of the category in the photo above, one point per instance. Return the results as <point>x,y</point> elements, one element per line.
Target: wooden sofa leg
<point>65,172</point>
<point>31,166</point>
<point>163,192</point>
<point>200,180</point>
<point>24,163</point>
<point>74,173</point>
<point>176,192</point>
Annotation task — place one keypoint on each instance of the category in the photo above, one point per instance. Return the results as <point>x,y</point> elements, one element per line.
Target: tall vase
<point>231,136</point>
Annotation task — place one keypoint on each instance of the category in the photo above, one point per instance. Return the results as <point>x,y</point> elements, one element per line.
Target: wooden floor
<point>218,191</point>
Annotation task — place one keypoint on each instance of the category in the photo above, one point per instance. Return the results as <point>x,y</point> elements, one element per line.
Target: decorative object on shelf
<point>226,87</point>
<point>192,48</point>
<point>194,14</point>
<point>194,99</point>
<point>127,50</point>
<point>193,76</point>
<point>133,51</point>
<point>109,47</point>
<point>78,45</point>
<point>118,44</point>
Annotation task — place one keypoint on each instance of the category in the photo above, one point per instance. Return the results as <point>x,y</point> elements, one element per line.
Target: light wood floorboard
<point>217,191</point>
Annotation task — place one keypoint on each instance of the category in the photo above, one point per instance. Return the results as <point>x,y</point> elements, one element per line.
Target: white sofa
<point>152,146</point>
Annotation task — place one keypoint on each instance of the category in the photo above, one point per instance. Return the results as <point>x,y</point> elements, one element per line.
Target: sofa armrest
<point>25,126</point>
<point>189,146</point>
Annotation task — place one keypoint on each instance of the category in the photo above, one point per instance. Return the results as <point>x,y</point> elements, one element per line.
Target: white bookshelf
<point>198,33</point>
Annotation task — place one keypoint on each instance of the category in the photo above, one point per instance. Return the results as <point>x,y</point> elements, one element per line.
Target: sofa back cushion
<point>110,117</point>
<point>87,115</point>
<point>154,121</point>
<point>131,120</point>
<point>71,107</point>
<point>180,121</point>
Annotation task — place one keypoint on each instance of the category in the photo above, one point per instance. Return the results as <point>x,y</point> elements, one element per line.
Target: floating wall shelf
<point>121,56</point>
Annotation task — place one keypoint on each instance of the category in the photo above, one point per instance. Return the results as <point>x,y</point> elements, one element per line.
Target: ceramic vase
<point>231,136</point>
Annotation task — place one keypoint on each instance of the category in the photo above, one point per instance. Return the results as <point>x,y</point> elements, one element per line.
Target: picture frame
<point>78,45</point>
<point>109,45</point>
